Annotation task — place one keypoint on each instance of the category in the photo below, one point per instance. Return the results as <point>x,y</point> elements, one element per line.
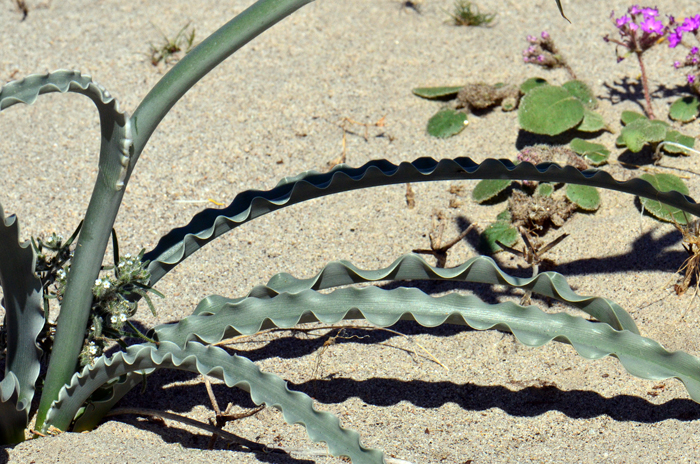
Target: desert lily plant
<point>67,398</point>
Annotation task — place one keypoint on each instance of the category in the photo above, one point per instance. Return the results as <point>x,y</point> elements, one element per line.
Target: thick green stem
<point>107,194</point>
<point>75,308</point>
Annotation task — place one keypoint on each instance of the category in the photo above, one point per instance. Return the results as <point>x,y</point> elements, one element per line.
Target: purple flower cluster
<point>689,25</point>
<point>692,60</point>
<point>540,51</point>
<point>543,52</point>
<point>640,29</point>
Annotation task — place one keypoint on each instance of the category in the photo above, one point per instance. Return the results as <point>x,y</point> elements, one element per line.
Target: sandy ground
<point>276,109</point>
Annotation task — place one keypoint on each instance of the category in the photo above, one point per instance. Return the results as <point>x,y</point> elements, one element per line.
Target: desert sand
<point>276,109</point>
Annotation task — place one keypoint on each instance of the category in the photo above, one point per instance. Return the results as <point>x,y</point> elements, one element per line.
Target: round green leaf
<point>500,230</point>
<point>489,188</point>
<point>684,109</point>
<point>630,116</point>
<point>446,123</point>
<point>531,83</point>
<point>665,183</point>
<point>595,153</point>
<point>642,131</point>
<point>681,139</point>
<point>592,122</point>
<point>584,196</point>
<point>545,189</point>
<point>432,93</point>
<point>549,110</point>
<point>581,91</point>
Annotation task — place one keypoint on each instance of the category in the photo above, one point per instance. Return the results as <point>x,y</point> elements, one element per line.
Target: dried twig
<point>437,249</point>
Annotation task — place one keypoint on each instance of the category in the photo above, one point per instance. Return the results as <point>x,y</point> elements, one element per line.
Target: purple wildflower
<point>622,21</point>
<point>635,10</point>
<point>652,26</point>
<point>691,79</point>
<point>545,35</point>
<point>691,24</point>
<point>694,51</point>
<point>650,12</point>
<point>676,64</point>
<point>675,37</point>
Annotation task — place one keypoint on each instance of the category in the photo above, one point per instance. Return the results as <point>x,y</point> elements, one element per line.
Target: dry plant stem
<point>194,423</point>
<point>230,341</point>
<point>410,197</point>
<point>419,345</point>
<point>645,85</point>
<point>221,419</point>
<point>570,71</point>
<point>533,255</point>
<point>343,125</point>
<point>217,411</point>
<point>437,249</point>
<point>257,447</point>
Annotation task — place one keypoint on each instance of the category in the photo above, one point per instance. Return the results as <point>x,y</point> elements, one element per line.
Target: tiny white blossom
<point>122,318</point>
<point>106,284</point>
<point>98,282</point>
<point>113,320</point>
<point>92,349</point>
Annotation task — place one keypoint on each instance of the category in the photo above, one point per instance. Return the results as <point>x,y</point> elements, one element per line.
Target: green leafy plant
<point>665,183</point>
<point>639,131</point>
<point>72,273</point>
<point>551,110</point>
<point>167,51</point>
<point>595,154</point>
<point>464,13</point>
<point>533,205</point>
<point>449,121</point>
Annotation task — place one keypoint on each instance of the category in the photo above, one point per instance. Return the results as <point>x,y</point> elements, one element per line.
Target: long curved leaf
<point>481,269</point>
<point>641,356</point>
<point>235,371</point>
<point>115,161</point>
<point>27,90</point>
<point>24,316</point>
<point>178,244</point>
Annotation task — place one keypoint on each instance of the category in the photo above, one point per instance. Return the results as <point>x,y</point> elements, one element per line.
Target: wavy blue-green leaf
<point>178,244</point>
<point>412,267</point>
<point>93,412</point>
<point>113,162</point>
<point>235,371</point>
<point>641,356</point>
<point>24,319</point>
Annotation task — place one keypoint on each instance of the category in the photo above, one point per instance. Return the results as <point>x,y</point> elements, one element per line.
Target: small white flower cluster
<point>132,269</point>
<point>118,319</point>
<point>54,241</point>
<point>102,286</point>
<point>92,348</point>
<point>90,351</point>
